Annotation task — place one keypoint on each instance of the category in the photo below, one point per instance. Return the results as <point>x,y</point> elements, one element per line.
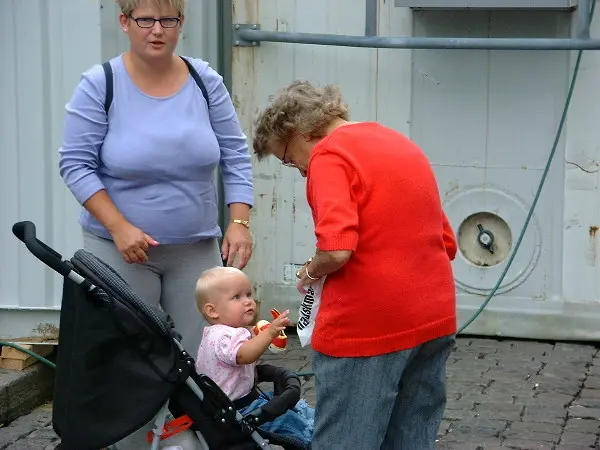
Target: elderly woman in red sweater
<point>387,319</point>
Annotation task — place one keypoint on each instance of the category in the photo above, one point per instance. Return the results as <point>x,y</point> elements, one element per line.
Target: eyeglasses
<point>283,160</point>
<point>148,22</point>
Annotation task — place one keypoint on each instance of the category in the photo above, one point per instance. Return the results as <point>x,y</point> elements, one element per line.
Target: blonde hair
<point>128,6</point>
<point>208,281</point>
<point>299,108</point>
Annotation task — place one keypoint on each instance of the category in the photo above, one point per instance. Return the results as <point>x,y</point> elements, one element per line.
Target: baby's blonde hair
<point>208,281</point>
<point>128,6</point>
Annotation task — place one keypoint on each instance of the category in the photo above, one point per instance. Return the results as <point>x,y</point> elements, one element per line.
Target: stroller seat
<point>120,364</point>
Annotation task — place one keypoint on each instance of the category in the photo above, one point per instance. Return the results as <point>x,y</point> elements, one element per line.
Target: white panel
<point>394,70</point>
<point>281,218</point>
<point>200,37</point>
<point>114,40</point>
<point>488,4</point>
<point>9,157</point>
<point>486,119</point>
<point>450,90</point>
<point>581,258</point>
<point>43,66</point>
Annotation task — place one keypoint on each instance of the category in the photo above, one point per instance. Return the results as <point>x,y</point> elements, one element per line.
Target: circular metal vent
<point>484,239</point>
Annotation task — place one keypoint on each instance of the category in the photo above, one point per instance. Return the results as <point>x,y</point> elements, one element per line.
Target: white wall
<point>421,93</point>
<point>486,119</point>
<point>42,64</point>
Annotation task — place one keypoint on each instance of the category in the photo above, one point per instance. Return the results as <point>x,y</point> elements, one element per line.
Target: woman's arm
<point>84,130</point>
<point>102,208</point>
<point>326,262</point>
<point>236,170</point>
<point>330,185</point>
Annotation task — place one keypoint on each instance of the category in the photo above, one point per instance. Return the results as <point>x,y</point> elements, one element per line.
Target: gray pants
<point>167,280</point>
<point>391,402</point>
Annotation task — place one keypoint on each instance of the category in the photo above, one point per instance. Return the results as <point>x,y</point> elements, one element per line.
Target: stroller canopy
<point>117,361</point>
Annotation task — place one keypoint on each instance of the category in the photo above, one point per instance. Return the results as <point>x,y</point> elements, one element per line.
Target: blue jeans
<point>298,422</point>
<point>394,401</point>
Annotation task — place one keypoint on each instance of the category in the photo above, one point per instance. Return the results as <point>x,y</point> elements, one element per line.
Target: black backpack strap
<point>109,83</point>
<point>196,76</point>
<point>109,86</point>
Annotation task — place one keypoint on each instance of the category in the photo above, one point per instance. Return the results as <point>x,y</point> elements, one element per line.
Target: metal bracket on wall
<point>241,42</point>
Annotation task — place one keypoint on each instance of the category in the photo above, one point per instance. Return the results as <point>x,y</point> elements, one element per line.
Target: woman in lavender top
<point>145,171</point>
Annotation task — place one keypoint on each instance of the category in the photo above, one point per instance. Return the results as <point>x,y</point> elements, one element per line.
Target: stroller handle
<point>25,232</point>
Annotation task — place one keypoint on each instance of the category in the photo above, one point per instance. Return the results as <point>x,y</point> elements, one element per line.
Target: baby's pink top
<point>217,359</point>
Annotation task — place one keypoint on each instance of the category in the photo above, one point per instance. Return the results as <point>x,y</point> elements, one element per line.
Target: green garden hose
<point>29,352</point>
<point>519,240</point>
<point>561,124</point>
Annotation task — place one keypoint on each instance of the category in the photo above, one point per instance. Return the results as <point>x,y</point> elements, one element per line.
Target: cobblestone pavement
<point>501,394</point>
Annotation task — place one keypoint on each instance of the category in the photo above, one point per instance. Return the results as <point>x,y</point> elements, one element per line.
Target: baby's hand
<point>279,324</point>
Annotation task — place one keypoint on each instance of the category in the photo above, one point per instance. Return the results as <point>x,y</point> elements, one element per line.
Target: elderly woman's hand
<point>320,265</point>
<point>237,242</point>
<point>304,280</point>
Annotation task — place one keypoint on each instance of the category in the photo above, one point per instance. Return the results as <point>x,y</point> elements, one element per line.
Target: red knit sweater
<point>373,191</point>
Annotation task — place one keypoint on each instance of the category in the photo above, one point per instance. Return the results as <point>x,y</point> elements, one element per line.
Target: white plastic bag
<point>308,311</point>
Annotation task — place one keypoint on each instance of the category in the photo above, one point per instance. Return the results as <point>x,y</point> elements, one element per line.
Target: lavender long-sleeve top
<point>156,157</point>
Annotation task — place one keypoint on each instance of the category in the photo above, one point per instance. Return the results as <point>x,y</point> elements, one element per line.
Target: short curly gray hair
<point>299,108</point>
<point>128,6</point>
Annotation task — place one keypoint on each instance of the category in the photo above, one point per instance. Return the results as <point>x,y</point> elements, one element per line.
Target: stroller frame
<point>26,232</point>
<point>161,418</point>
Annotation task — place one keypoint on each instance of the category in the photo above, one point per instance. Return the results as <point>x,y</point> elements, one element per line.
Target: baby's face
<point>234,301</point>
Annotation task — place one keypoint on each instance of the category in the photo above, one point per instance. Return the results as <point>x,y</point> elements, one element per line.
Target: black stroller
<point>120,364</point>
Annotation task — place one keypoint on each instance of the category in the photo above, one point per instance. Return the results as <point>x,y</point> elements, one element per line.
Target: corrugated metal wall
<point>45,48</point>
<point>486,119</point>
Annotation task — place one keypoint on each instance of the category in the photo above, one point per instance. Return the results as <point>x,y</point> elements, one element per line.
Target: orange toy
<point>279,344</point>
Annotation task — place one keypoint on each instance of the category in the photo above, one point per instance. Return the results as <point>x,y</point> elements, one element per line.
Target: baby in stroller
<point>228,353</point>
<point>121,364</point>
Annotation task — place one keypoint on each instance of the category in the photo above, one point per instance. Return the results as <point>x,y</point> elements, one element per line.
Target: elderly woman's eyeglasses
<point>284,161</point>
<point>148,22</point>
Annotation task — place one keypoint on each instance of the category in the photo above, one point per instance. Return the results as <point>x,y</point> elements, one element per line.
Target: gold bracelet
<point>246,223</point>
<point>308,275</point>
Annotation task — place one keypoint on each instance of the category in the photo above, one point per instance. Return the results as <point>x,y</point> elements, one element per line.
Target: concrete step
<point>23,391</point>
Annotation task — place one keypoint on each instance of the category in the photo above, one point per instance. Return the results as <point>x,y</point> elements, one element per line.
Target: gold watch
<point>246,223</point>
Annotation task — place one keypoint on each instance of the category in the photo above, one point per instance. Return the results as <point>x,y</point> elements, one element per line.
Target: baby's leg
<point>296,423</point>
<point>306,411</point>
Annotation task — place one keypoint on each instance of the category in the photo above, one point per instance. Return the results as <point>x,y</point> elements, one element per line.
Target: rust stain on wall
<point>274,202</point>
<point>452,188</point>
<point>593,253</point>
<point>294,210</point>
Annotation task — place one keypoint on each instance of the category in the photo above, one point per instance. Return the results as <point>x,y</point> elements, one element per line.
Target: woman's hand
<point>237,242</point>
<point>132,243</point>
<point>320,265</point>
<point>303,280</point>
